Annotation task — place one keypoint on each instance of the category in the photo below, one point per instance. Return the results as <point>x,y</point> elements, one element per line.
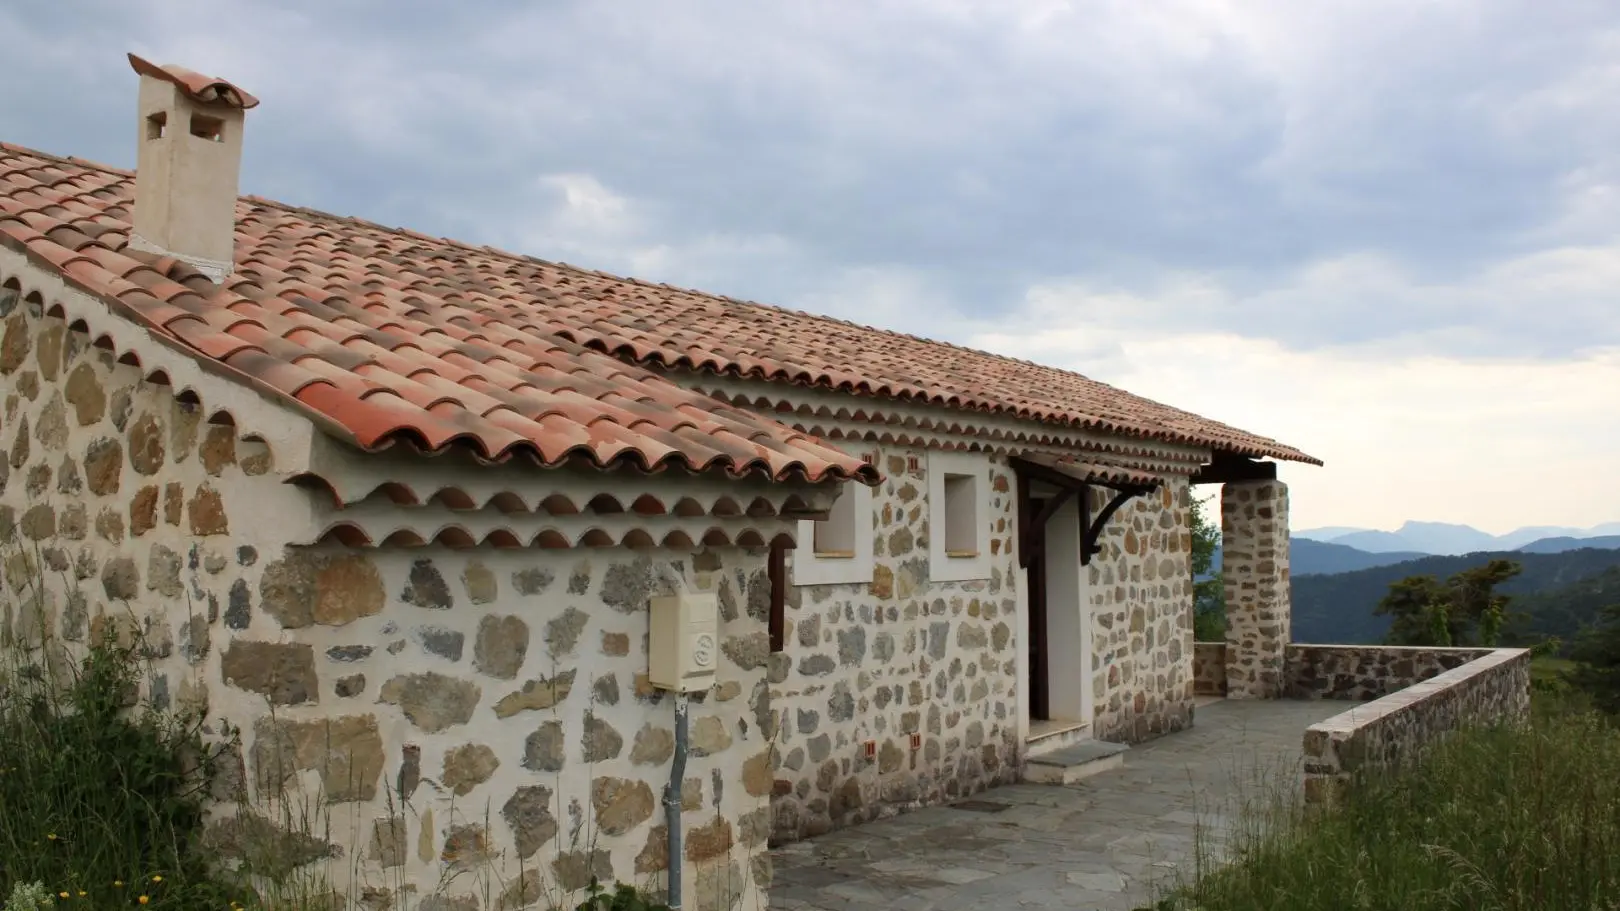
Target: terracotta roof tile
<point>199,87</point>
<point>363,344</point>
<point>391,334</point>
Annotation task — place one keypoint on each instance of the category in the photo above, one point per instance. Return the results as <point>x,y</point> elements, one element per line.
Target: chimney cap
<point>197,87</point>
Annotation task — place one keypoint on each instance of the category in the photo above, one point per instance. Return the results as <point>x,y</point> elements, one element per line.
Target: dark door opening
<point>1040,708</point>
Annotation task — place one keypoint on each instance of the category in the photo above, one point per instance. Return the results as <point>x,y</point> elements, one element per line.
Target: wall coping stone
<point>1411,697</point>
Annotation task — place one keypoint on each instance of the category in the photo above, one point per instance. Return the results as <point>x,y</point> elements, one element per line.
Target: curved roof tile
<point>207,89</point>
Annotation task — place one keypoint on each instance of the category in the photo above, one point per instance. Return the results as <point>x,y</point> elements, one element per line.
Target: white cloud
<point>584,206</point>
<point>1493,443</point>
<point>1556,298</point>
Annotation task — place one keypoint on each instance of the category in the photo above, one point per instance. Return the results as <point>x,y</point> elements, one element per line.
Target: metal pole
<point>672,802</point>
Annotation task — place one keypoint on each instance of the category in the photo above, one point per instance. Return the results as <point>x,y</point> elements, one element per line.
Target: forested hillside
<point>1339,608</point>
<point>1565,610</point>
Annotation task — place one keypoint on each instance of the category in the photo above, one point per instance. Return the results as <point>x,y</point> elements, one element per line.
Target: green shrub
<point>101,796</point>
<point>622,898</point>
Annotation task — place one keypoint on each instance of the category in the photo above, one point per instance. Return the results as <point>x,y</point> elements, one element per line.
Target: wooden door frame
<point>1039,677</point>
<point>1054,692</point>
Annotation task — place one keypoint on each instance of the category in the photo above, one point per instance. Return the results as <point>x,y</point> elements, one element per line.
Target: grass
<point>1498,819</point>
<point>1548,670</point>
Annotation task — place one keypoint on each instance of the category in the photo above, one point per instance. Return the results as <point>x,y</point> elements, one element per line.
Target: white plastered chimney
<point>187,166</point>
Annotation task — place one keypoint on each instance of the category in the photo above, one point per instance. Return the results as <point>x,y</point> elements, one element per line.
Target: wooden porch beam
<point>1033,471</point>
<point>1226,468</point>
<point>1032,528</point>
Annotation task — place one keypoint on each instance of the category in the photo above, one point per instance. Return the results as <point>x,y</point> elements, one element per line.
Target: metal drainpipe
<point>672,802</point>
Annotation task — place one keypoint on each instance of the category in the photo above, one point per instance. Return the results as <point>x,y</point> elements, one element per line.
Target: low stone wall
<point>1350,672</point>
<point>1365,672</point>
<point>1396,728</point>
<point>1209,668</point>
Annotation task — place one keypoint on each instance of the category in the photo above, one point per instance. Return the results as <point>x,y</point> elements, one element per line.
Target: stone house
<point>398,511</point>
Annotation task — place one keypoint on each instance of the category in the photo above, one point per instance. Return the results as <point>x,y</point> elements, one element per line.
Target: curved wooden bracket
<point>1091,529</point>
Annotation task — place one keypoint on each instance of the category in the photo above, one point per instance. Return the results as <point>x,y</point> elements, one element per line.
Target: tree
<point>1596,653</point>
<point>1209,590</point>
<point>1417,606</point>
<point>1463,610</point>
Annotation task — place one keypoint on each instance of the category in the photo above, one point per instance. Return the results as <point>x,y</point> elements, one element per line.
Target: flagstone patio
<point>1110,842</point>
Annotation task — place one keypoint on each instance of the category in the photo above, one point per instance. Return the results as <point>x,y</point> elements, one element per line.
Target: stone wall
<point>474,725</point>
<point>906,655</point>
<point>1397,728</point>
<point>1142,622</point>
<point>1254,564</point>
<point>899,656</point>
<point>1365,672</point>
<point>508,689</point>
<point>122,512</point>
<point>1209,668</point>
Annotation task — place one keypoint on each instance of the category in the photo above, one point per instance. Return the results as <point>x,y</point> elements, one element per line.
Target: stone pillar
<point>1254,563</point>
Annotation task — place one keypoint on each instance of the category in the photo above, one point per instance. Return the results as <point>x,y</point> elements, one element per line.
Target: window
<point>961,516</point>
<point>835,535</point>
<point>958,516</point>
<point>837,549</point>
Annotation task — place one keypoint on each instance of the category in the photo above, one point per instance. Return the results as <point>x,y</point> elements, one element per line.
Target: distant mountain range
<point>1560,545</point>
<point>1308,557</point>
<point>1447,539</point>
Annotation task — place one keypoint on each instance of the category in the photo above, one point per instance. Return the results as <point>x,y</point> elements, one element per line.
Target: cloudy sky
<point>1385,231</point>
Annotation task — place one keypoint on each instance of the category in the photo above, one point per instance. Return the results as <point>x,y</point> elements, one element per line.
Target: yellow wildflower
<point>157,879</point>
<point>51,836</point>
<point>118,884</point>
<point>144,899</point>
<point>62,894</point>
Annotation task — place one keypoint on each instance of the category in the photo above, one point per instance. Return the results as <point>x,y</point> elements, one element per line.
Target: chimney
<point>186,169</point>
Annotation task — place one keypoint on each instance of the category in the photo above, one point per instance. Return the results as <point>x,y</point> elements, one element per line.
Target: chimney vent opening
<point>156,124</point>
<point>209,128</point>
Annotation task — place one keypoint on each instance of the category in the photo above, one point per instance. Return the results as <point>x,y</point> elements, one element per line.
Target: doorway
<point>1057,661</point>
<point>1039,683</point>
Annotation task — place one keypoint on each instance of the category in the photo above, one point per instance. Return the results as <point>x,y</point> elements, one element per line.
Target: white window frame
<point>975,468</point>
<point>810,569</point>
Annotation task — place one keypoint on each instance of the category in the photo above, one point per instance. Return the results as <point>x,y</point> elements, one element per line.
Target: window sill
<point>962,554</point>
<point>835,555</point>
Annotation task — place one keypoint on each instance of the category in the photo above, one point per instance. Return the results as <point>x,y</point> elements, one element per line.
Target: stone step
<point>1049,736</point>
<point>1075,762</point>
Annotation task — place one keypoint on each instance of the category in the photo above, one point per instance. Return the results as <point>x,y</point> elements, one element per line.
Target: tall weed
<point>101,795</point>
<point>1499,819</point>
